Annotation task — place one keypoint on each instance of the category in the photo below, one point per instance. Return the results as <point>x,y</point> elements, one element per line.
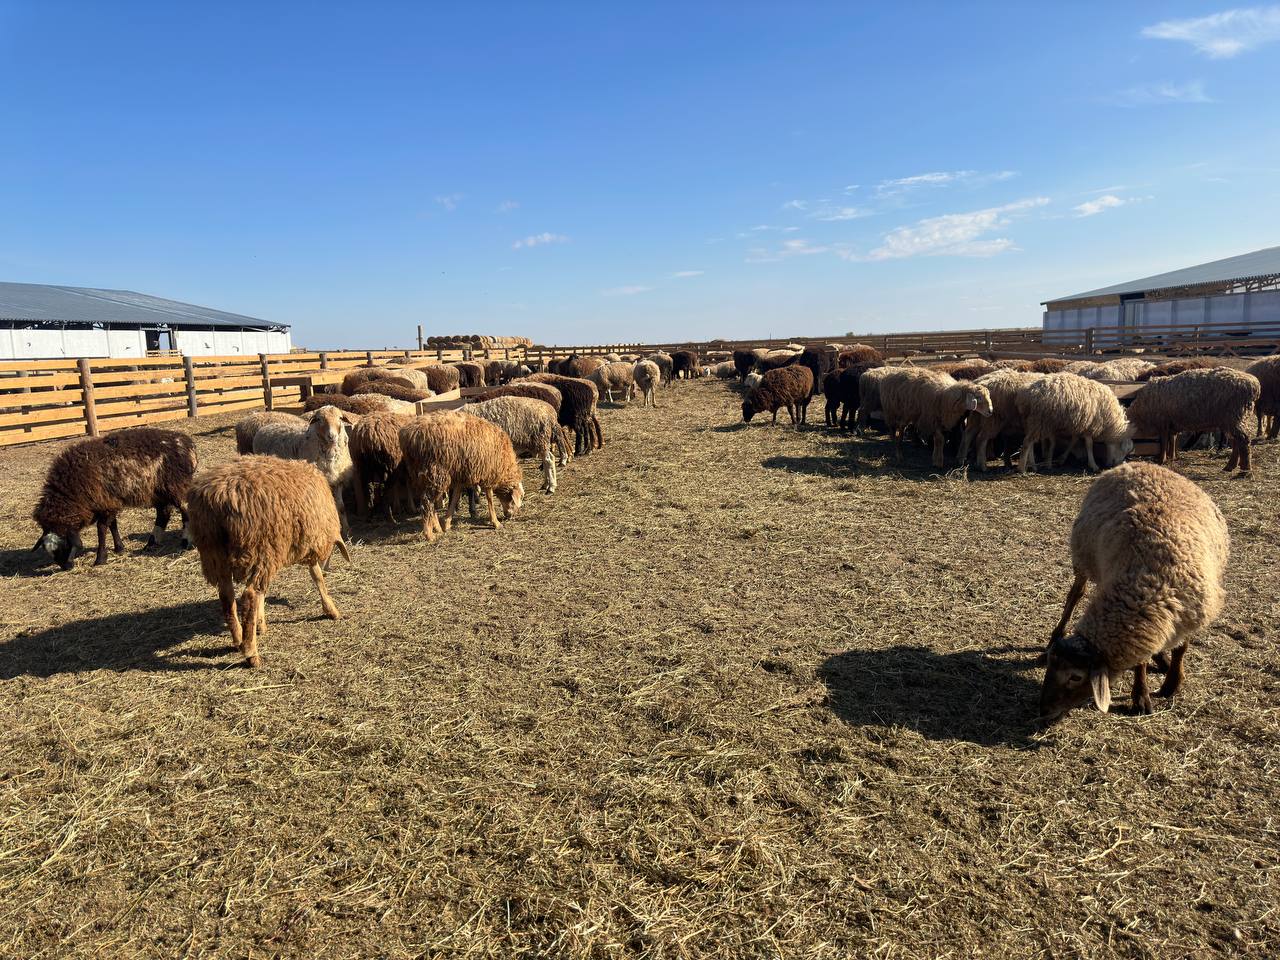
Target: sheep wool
<point>647,376</point>
<point>1156,546</point>
<point>1267,372</point>
<point>250,518</point>
<point>1219,399</point>
<point>533,429</point>
<point>1065,404</point>
<point>789,387</point>
<point>612,376</point>
<point>376,460</point>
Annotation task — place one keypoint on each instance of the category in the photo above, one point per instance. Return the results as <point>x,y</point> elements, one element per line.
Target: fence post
<point>324,360</point>
<point>1088,340</point>
<point>189,374</point>
<point>408,354</point>
<point>368,356</point>
<point>439,354</point>
<point>86,386</point>
<point>266,380</point>
<point>419,337</point>
<point>506,353</point>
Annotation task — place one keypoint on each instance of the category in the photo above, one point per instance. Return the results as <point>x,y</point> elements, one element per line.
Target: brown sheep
<point>470,374</point>
<point>1219,399</point>
<point>684,363</point>
<point>361,375</point>
<point>375,454</point>
<point>395,389</point>
<point>581,367</point>
<point>1267,372</point>
<point>93,480</point>
<point>790,387</point>
<point>358,405</point>
<point>250,518</point>
<point>577,409</point>
<point>1048,365</point>
<point>449,453</point>
<point>859,353</point>
<point>522,388</point>
<point>441,378</point>
<point>1170,367</point>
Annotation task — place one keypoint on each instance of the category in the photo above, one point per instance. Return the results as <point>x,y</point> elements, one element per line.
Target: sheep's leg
<point>227,597</point>
<point>430,522</point>
<point>163,512</point>
<point>1242,440</point>
<point>1273,430</point>
<point>1028,459</point>
<point>1173,446</point>
<point>101,557</point>
<point>116,543</point>
<point>493,514</point>
<point>451,508</point>
<point>1088,452</point>
<point>596,432</point>
<point>1174,676</point>
<point>330,608</point>
<point>1141,696</point>
<point>966,441</point>
<point>184,538</point>
<point>249,624</point>
<point>939,449</point>
<point>548,471</point>
<point>260,613</point>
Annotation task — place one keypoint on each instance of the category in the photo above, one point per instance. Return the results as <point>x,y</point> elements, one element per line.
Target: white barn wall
<point>36,344</point>
<point>1241,308</point>
<point>225,343</point>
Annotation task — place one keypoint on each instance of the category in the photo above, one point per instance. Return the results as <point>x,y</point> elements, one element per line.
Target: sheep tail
<point>342,549</point>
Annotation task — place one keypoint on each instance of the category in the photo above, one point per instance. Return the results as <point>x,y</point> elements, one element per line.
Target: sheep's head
<point>1117,451</point>
<point>977,399</point>
<point>511,498</point>
<point>1075,672</point>
<point>748,408</point>
<point>63,549</point>
<point>329,427</point>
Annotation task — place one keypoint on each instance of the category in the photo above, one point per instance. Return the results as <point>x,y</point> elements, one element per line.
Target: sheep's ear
<point>971,403</point>
<point>1100,680</point>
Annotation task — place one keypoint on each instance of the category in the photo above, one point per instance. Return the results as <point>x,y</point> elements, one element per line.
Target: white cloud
<point>630,291</point>
<point>681,274</point>
<point>1222,35</point>
<point>840,213</point>
<point>954,234</point>
<point>941,178</point>
<point>506,206</point>
<point>449,201</point>
<point>1093,207</point>
<point>795,205</point>
<point>1146,94</point>
<point>539,239</point>
<point>789,248</point>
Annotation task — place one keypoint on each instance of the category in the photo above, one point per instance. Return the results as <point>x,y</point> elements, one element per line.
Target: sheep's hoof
<point>151,542</point>
<point>334,614</point>
<point>99,562</point>
<point>255,662</point>
<point>497,524</point>
<point>1143,707</point>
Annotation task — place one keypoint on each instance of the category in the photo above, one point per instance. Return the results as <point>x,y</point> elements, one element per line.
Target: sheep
<point>743,361</point>
<point>1022,366</point>
<point>395,389</point>
<point>1071,405</point>
<point>1089,369</point>
<point>359,405</point>
<point>441,378</point>
<point>613,376</point>
<point>841,389</point>
<point>790,387</point>
<point>495,371</point>
<point>820,361</point>
<point>724,370</point>
<point>965,369</point>
<point>1003,386</point>
<point>684,363</point>
<point>93,480</point>
<point>1267,372</point>
<point>775,360</point>
<point>578,399</point>
<point>251,517</point>
<point>1220,399</point>
<point>612,358</point>
<point>581,367</point>
<point>933,402</point>
<point>524,388</point>
<point>323,443</point>
<point>647,376</point>
<point>1170,367</point>
<point>533,429</point>
<point>447,453</point>
<point>1125,368</point>
<point>1048,365</point>
<point>858,353</point>
<point>753,379</point>
<point>1155,546</point>
<point>469,374</point>
<point>376,458</point>
<point>248,426</point>
<point>869,394</point>
<point>664,362</point>
<point>361,375</point>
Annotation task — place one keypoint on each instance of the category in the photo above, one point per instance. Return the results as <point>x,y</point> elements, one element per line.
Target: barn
<point>1240,292</point>
<point>39,322</point>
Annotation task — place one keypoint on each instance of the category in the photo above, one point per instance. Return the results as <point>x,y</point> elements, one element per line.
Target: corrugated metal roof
<point>40,303</point>
<point>1260,263</point>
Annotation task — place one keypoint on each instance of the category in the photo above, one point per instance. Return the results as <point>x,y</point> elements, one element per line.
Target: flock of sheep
<point>282,501</point>
<point>1153,543</point>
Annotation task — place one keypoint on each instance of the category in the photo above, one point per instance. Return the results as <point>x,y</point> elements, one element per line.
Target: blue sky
<point>594,173</point>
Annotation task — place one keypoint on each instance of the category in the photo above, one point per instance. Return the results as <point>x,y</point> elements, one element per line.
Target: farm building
<point>1241,292</point>
<point>39,322</point>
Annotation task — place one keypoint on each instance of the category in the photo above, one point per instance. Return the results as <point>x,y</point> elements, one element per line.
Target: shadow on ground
<point>942,696</point>
<point>134,640</point>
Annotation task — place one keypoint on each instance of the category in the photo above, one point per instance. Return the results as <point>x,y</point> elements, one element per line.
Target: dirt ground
<point>734,691</point>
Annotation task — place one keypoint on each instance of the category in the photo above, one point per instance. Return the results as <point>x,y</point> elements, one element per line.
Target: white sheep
<point>647,376</point>
<point>1068,405</point>
<point>933,402</point>
<point>322,443</point>
<point>532,426</point>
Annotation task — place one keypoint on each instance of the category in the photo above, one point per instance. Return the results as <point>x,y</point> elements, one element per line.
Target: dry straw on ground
<point>732,692</point>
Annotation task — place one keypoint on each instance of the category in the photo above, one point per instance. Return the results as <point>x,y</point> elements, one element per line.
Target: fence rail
<point>51,399</point>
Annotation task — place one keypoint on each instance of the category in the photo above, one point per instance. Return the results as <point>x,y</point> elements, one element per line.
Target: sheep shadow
<point>131,640</point>
<point>965,695</point>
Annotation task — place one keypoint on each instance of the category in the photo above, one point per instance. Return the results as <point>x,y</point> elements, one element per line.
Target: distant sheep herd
<point>1151,540</point>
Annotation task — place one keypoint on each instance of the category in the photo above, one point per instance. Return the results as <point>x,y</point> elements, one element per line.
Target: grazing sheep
<point>93,480</point>
<point>647,375</point>
<point>359,405</point>
<point>395,389</point>
<point>964,369</point>
<point>1048,365</point>
<point>448,453</point>
<point>441,378</point>
<point>376,461</point>
<point>820,361</point>
<point>533,429</point>
<point>250,518</point>
<point>249,426</point>
<point>859,353</point>
<point>869,394</point>
<point>664,362</point>
<point>684,363</point>
<point>743,362</point>
<point>776,360</point>
<point>1219,399</point>
<point>789,387</point>
<point>578,399</point>
<point>1155,546</point>
<point>469,374</point>
<point>933,402</point>
<point>524,388</point>
<point>1267,372</point>
<point>323,443</point>
<point>1170,367</point>
<point>841,389</point>
<point>613,376</point>
<point>1125,368</point>
<point>724,370</point>
<point>1003,386</point>
<point>1065,404</point>
<point>581,367</point>
<point>406,376</point>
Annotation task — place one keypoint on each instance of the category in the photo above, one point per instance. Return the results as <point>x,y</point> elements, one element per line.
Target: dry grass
<point>732,692</point>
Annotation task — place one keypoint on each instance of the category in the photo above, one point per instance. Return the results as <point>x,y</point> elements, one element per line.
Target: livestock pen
<point>733,691</point>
